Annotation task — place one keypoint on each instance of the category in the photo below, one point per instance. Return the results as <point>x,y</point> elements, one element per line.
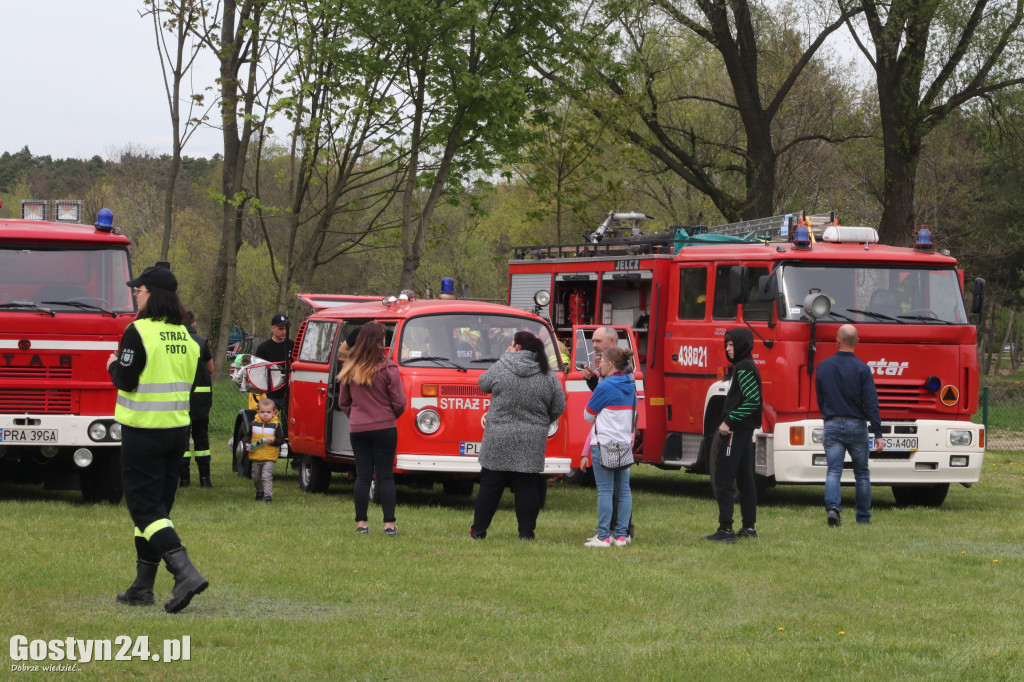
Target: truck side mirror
<point>739,278</point>
<point>978,303</point>
<point>767,289</point>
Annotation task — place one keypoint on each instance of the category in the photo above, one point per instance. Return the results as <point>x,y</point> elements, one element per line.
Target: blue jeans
<point>844,435</point>
<point>611,483</point>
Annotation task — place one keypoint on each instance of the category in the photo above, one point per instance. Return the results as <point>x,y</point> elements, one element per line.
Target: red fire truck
<point>63,308</point>
<point>441,348</point>
<point>673,296</point>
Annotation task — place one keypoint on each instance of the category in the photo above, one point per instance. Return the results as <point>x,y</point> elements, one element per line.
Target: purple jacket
<point>376,406</point>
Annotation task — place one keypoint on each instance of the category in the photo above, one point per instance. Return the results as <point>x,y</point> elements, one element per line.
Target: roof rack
<point>774,228</point>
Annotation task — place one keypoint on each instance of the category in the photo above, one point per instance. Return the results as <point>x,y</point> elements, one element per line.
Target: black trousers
<point>736,468</point>
<point>375,457</point>
<point>492,486</point>
<point>150,464</point>
<point>199,414</point>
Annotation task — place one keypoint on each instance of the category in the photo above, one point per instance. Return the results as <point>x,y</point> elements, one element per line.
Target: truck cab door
<point>309,402</point>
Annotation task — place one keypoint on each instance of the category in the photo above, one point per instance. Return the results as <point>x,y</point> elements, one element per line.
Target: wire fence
<point>1001,409</point>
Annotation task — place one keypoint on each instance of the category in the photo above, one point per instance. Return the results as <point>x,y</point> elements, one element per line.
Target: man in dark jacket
<point>848,400</point>
<point>741,415</point>
<point>278,348</point>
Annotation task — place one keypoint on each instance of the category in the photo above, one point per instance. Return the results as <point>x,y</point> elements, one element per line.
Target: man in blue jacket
<point>847,400</point>
<point>741,415</point>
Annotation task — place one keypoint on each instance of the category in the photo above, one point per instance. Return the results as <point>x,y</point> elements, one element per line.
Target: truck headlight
<point>97,430</point>
<point>959,460</point>
<point>817,435</point>
<point>428,421</point>
<point>115,431</point>
<point>552,428</point>
<point>960,437</point>
<point>82,457</point>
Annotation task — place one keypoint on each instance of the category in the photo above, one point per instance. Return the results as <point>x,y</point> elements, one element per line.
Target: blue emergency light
<point>923,240</point>
<point>447,286</point>
<point>105,220</point>
<point>802,237</point>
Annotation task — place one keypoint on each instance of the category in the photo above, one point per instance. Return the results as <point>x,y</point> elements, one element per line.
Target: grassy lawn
<point>296,594</point>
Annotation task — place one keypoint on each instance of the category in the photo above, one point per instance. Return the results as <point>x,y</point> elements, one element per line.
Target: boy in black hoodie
<point>740,417</point>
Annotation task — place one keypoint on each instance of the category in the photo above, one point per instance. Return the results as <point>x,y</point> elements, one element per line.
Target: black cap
<point>279,320</point>
<point>160,278</point>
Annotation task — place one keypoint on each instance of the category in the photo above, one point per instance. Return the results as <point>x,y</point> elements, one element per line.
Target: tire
<point>713,465</point>
<point>239,455</point>
<point>761,485</point>
<point>920,495</point>
<point>461,487</point>
<point>374,491</point>
<point>580,477</point>
<point>713,461</point>
<point>101,480</point>
<point>314,474</point>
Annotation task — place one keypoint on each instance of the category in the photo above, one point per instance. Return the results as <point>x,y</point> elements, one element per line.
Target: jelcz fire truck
<point>63,308</point>
<point>672,297</point>
<point>441,348</point>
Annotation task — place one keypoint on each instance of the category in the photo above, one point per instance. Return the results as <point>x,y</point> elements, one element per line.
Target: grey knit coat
<point>524,402</point>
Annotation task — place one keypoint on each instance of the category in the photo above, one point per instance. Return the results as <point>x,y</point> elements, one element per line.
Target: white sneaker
<point>596,542</point>
<point>622,541</point>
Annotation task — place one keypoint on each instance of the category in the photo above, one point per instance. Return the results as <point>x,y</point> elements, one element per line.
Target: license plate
<point>898,444</point>
<point>468,447</point>
<point>16,436</point>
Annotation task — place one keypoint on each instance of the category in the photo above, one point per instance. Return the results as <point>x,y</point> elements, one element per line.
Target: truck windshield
<point>66,280</point>
<point>874,294</point>
<point>467,341</point>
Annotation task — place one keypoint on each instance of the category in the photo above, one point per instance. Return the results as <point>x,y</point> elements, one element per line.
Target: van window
<point>693,293</point>
<point>457,341</point>
<point>317,341</point>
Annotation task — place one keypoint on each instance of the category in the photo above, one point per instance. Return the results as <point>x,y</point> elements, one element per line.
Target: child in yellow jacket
<point>264,447</point>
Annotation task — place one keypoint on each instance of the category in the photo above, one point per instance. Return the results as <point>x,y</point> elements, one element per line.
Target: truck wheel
<point>713,461</point>
<point>240,456</point>
<point>374,491</point>
<point>461,487</point>
<point>314,474</point>
<point>101,481</point>
<point>713,466</point>
<point>580,477</point>
<point>920,495</point>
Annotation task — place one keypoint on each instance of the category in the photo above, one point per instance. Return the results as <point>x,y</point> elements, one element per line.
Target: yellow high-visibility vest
<point>160,401</point>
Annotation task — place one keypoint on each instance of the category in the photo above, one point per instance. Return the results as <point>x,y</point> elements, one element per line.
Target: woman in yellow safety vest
<point>153,371</point>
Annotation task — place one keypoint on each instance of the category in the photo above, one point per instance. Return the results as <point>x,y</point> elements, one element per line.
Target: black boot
<point>184,475</point>
<point>141,591</point>
<point>203,464</point>
<point>187,580</point>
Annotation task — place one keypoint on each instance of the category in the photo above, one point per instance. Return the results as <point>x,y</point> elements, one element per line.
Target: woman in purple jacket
<point>371,394</point>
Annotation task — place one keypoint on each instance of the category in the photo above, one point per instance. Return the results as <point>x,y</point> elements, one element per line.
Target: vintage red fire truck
<point>673,296</point>
<point>63,308</point>
<point>441,348</point>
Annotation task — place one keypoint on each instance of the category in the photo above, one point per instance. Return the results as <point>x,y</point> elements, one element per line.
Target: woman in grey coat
<point>525,398</point>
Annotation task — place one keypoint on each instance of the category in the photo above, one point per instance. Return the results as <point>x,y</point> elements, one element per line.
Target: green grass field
<point>922,594</point>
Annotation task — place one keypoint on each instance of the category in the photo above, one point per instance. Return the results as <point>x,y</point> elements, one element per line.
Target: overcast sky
<point>82,77</point>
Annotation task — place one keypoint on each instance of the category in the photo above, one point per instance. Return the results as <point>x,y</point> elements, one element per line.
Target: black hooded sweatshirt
<point>743,402</point>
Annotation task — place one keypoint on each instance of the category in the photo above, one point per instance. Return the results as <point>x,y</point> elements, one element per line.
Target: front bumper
<point>930,463</point>
<point>465,464</point>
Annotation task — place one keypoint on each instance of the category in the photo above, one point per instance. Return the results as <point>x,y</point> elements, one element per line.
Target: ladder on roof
<point>775,226</point>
